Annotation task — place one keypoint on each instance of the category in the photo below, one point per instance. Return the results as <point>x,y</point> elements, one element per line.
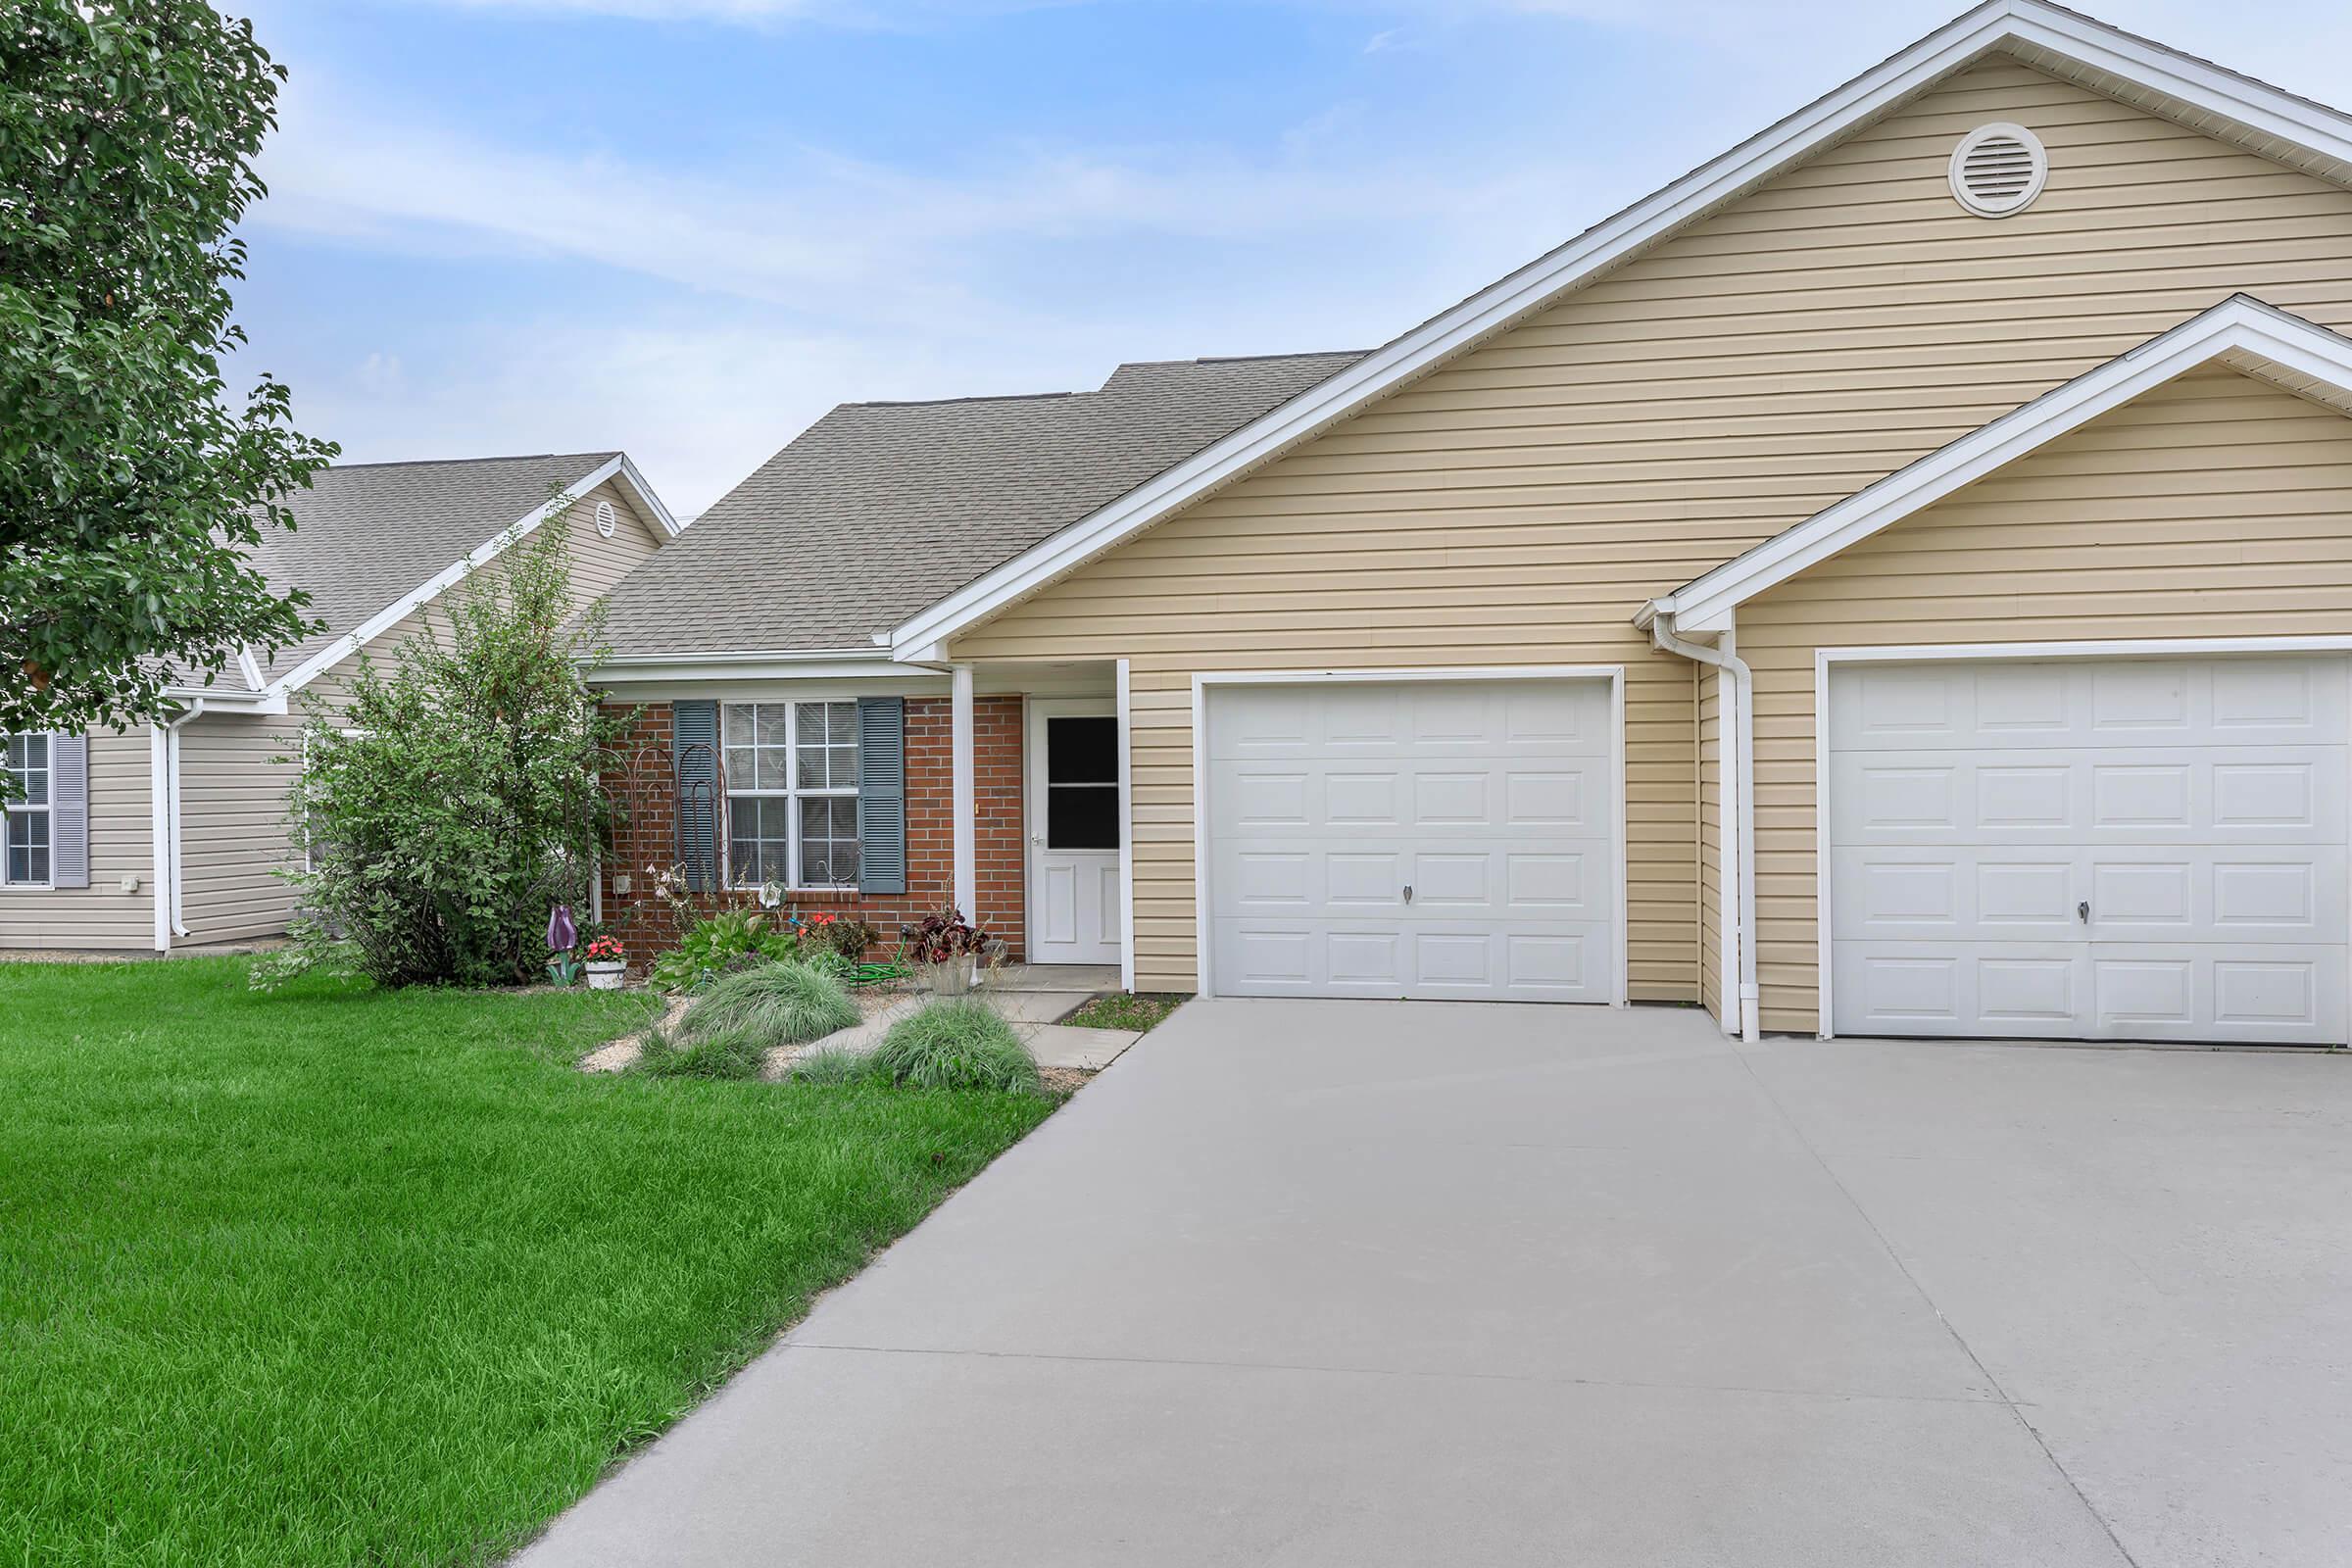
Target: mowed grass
<point>343,1276</point>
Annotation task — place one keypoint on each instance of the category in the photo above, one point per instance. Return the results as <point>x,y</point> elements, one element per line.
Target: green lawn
<point>342,1276</point>
<point>1124,1010</point>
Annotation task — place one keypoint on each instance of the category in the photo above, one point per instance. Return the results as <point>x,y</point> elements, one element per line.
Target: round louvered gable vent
<point>1999,169</point>
<point>607,520</point>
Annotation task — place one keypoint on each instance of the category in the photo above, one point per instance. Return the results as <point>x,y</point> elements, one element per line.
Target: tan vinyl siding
<point>1517,506</point>
<point>232,825</point>
<point>2215,506</point>
<point>122,845</point>
<point>598,563</point>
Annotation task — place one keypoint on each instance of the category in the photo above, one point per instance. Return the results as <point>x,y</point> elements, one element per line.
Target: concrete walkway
<point>1030,997</point>
<point>1359,1284</point>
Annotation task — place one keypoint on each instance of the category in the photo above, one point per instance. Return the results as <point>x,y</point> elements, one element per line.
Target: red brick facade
<point>644,786</point>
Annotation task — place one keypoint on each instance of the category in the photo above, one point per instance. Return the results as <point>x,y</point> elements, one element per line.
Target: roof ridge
<point>1297,354</point>
<point>450,462</point>
<point>974,397</point>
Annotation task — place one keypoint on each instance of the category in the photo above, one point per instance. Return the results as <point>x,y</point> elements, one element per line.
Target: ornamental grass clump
<point>719,1054</point>
<point>775,1005</point>
<point>957,1043</point>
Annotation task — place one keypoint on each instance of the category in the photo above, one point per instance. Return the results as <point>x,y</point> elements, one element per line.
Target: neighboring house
<point>173,834</point>
<point>1895,580</point>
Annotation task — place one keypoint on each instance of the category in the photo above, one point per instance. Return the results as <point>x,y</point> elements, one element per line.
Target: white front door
<point>1074,831</point>
<point>2147,848</point>
<point>1440,839</point>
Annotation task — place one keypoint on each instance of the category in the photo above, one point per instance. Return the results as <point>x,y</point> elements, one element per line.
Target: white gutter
<point>1734,722</point>
<point>162,791</point>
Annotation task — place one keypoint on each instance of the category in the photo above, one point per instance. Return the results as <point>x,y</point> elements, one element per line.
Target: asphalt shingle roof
<point>368,535</point>
<point>880,509</point>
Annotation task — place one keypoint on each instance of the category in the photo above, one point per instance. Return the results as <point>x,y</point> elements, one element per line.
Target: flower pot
<point>606,974</point>
<point>951,978</point>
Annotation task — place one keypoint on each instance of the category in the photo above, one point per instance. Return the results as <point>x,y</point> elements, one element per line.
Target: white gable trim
<point>2242,331</point>
<point>2280,123</point>
<point>619,468</point>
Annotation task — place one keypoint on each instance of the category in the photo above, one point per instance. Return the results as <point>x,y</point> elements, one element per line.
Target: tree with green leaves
<point>452,798</point>
<point>132,487</point>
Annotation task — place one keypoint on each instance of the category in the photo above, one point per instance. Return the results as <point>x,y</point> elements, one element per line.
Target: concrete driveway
<point>1363,1283</point>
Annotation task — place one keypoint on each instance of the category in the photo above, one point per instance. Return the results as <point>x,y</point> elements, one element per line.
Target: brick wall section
<point>643,782</point>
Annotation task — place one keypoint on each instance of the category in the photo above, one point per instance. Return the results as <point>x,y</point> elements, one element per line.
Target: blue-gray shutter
<point>882,794</point>
<point>68,811</point>
<point>694,750</point>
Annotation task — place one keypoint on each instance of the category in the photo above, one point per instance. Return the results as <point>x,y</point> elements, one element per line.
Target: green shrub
<point>956,1044</point>
<point>452,800</point>
<point>719,945</point>
<point>833,1068</point>
<point>843,935</point>
<point>719,1054</point>
<point>776,1004</point>
<point>824,960</point>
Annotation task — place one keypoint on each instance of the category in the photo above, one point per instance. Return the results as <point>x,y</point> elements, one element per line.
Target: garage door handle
<point>2082,912</point>
<point>1409,893</point>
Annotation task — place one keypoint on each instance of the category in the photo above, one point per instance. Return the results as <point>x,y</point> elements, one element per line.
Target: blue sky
<point>687,227</point>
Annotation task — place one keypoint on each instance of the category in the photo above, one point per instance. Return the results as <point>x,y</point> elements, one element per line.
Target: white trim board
<point>2242,331</point>
<point>2222,103</point>
<point>1824,658</point>
<point>1614,674</point>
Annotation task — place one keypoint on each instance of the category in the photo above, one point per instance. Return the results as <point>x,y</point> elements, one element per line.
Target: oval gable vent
<point>1999,169</point>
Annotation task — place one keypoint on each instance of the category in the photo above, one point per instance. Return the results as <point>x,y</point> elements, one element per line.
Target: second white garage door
<point>1431,839</point>
<point>2089,848</point>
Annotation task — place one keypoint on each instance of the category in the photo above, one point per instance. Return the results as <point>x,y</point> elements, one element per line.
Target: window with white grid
<point>24,843</point>
<point>791,771</point>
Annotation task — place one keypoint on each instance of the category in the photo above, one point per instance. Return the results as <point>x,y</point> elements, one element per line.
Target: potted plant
<point>608,963</point>
<point>947,948</point>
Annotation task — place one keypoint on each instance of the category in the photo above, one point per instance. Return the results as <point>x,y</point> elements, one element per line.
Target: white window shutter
<point>68,810</point>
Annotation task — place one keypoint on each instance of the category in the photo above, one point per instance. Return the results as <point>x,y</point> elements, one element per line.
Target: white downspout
<point>163,782</point>
<point>1735,723</point>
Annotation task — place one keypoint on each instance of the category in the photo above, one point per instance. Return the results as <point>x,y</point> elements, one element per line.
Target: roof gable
<point>2218,103</point>
<point>2242,332</point>
<point>371,542</point>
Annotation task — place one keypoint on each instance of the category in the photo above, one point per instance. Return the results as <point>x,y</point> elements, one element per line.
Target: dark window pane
<point>1082,751</point>
<point>1082,816</point>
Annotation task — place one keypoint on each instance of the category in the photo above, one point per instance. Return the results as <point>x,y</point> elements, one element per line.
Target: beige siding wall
<point>232,825</point>
<point>1519,505</point>
<point>122,845</point>
<point>2214,507</point>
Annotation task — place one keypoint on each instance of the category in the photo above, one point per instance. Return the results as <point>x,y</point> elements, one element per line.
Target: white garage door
<point>2089,848</point>
<point>1439,839</point>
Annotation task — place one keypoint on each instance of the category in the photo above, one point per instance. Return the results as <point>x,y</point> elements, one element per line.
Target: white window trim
<point>1207,680</point>
<point>47,809</point>
<point>1824,659</point>
<point>792,793</point>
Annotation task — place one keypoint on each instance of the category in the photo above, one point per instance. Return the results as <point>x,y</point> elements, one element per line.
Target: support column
<point>967,834</point>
